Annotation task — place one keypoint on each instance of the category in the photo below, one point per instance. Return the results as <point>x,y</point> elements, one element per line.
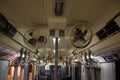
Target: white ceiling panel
<point>24,13</point>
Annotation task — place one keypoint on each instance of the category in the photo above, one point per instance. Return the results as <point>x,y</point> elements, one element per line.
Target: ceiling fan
<point>34,41</point>
<point>81,35</point>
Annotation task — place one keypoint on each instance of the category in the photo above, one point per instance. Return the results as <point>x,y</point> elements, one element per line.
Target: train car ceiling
<point>56,18</point>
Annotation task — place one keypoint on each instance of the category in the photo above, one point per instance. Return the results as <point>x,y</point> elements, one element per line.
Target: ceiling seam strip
<point>70,13</point>
<point>44,10</point>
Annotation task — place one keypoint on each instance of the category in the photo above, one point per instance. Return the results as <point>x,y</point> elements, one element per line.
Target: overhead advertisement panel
<point>6,54</point>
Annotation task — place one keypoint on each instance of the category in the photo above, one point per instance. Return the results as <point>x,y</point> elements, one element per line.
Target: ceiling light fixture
<point>59,7</point>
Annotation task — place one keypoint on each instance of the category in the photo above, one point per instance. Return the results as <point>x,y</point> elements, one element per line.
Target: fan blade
<point>78,35</point>
<point>32,41</point>
<point>31,33</point>
<point>82,39</point>
<point>85,32</point>
<point>81,36</point>
<point>75,39</point>
<point>41,39</point>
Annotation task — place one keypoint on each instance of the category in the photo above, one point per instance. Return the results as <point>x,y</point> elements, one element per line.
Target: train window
<point>47,67</point>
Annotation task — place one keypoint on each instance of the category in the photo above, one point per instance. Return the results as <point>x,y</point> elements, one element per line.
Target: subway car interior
<point>59,39</point>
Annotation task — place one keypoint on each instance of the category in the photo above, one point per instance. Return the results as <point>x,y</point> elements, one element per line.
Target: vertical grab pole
<point>25,71</point>
<point>15,71</point>
<point>56,60</point>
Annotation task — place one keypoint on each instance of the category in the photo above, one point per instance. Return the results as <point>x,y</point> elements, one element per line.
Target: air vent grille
<point>101,34</point>
<point>110,29</point>
<point>3,22</point>
<point>11,31</point>
<point>57,33</point>
<point>52,32</point>
<point>61,33</point>
<point>6,28</point>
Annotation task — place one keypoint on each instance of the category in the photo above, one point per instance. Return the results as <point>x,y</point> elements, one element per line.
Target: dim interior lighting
<point>58,40</point>
<point>93,56</point>
<point>83,57</point>
<point>12,71</point>
<point>54,40</point>
<point>54,51</point>
<point>75,60</point>
<point>41,61</point>
<point>34,59</point>
<point>47,67</point>
<point>87,57</point>
<point>17,54</point>
<point>19,69</point>
<point>23,56</point>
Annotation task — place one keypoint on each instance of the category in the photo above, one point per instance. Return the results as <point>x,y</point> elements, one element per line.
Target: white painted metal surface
<point>107,71</point>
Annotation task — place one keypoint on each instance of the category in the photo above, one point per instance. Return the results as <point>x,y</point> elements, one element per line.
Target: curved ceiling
<point>33,14</point>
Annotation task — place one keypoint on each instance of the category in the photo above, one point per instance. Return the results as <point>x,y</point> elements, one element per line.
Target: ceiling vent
<point>59,7</point>
<point>6,28</point>
<point>3,22</point>
<point>110,29</point>
<point>61,33</point>
<point>52,32</point>
<point>10,31</point>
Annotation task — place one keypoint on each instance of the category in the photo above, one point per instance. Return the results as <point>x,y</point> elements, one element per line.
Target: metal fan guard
<point>38,45</point>
<point>88,40</point>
